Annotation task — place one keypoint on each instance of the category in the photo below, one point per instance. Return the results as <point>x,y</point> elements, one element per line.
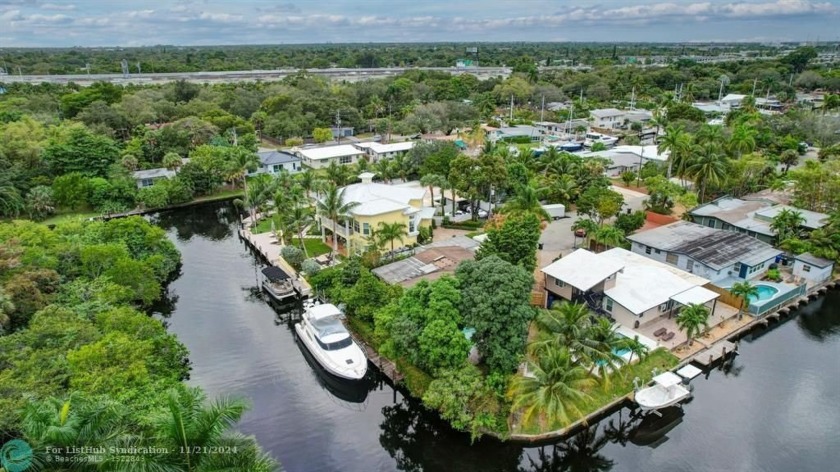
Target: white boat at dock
<point>329,342</point>
<point>667,390</point>
<point>593,137</point>
<point>278,284</point>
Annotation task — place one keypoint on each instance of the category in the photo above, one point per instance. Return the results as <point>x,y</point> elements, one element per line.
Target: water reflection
<point>214,221</point>
<point>818,323</point>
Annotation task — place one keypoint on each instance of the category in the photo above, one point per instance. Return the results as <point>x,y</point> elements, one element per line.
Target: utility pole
<point>511,108</point>
<point>338,126</point>
<point>389,122</point>
<point>542,110</point>
<point>235,140</point>
<point>755,82</point>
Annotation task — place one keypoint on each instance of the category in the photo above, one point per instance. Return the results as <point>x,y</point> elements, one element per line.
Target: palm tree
<point>691,319</point>
<point>390,232</point>
<point>39,202</point>
<point>385,169</point>
<point>786,224</point>
<point>308,180</point>
<point>567,325</point>
<point>678,143</point>
<point>333,206</point>
<point>257,194</point>
<point>635,347</point>
<point>241,162</point>
<point>432,181</point>
<point>338,174</point>
<point>710,134</point>
<point>830,102</point>
<point>744,290</point>
<point>709,167</point>
<point>526,200</point>
<point>190,426</point>
<point>403,166</point>
<point>609,236</point>
<point>742,140</point>
<point>552,390</point>
<point>299,219</point>
<point>11,204</point>
<point>564,188</point>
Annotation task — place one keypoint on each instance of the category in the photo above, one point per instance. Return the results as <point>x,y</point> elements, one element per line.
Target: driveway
<point>632,199</point>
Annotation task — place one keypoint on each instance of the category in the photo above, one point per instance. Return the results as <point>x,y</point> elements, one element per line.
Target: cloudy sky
<point>207,22</point>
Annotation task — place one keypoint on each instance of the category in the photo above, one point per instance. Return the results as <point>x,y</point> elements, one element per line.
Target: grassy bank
<point>620,385</point>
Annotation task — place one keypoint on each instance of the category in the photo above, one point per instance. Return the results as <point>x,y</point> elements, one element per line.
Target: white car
<point>483,213</point>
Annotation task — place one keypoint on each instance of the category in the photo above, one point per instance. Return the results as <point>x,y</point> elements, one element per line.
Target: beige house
<point>380,203</point>
<point>627,287</point>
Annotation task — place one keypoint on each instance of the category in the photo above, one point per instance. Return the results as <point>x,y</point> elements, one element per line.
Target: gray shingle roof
<point>715,248</point>
<point>153,173</point>
<point>270,158</point>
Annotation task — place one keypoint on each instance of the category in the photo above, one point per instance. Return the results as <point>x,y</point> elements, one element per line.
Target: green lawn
<point>620,385</point>
<point>314,247</point>
<point>70,215</point>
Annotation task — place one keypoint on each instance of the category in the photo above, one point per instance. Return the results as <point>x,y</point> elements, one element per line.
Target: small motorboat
<point>667,390</point>
<point>327,339</point>
<point>278,284</point>
<point>593,137</point>
<point>570,146</point>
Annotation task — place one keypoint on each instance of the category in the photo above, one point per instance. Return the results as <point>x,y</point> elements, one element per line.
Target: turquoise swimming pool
<point>765,292</point>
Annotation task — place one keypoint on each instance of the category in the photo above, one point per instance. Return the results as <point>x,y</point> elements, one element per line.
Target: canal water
<point>774,408</point>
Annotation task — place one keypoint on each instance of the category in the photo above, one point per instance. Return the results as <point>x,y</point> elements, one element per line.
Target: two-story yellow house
<point>380,203</point>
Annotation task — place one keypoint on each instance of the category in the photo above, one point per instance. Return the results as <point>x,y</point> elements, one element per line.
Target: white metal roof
<point>698,295</point>
<point>329,152</point>
<point>689,372</point>
<point>645,283</point>
<point>583,269</point>
<point>380,148</point>
<point>604,112</point>
<point>667,379</point>
<point>376,199</point>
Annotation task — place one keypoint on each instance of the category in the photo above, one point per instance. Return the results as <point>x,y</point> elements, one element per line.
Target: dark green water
<point>776,408</point>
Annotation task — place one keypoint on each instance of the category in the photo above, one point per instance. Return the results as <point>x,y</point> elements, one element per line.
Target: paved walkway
<point>268,246</point>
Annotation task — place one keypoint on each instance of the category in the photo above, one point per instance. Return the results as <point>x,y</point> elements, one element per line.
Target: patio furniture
<point>660,332</point>
<point>669,336</point>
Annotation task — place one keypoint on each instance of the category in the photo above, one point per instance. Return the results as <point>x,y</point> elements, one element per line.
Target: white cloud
<point>57,6</point>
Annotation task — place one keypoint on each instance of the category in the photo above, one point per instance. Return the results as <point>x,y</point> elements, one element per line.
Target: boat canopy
<point>667,379</point>
<point>323,311</point>
<point>327,326</point>
<point>275,274</point>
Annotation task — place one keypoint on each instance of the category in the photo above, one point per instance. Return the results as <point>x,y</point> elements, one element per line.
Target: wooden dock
<point>386,366</point>
<point>717,351</point>
<point>265,244</point>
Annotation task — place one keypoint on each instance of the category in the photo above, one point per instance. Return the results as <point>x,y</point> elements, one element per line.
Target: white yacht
<point>667,390</point>
<point>325,336</point>
<point>593,137</point>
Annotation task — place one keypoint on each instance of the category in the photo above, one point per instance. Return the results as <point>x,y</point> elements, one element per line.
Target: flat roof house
<point>379,203</point>
<point>611,118</point>
<point>321,157</point>
<point>273,162</point>
<point>148,177</point>
<point>624,158</point>
<point>812,269</point>
<point>750,217</point>
<point>378,151</point>
<point>629,288</point>
<point>713,254</point>
<point>429,262</point>
<point>518,131</point>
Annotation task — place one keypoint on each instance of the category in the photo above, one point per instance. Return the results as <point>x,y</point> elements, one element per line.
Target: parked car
<point>483,213</point>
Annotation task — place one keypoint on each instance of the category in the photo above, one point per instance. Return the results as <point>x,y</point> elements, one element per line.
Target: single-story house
<point>148,177</point>
<point>812,269</point>
<point>515,132</point>
<point>273,162</point>
<point>751,217</point>
<point>321,157</point>
<point>377,151</point>
<point>629,288</point>
<point>713,254</point>
<point>624,158</point>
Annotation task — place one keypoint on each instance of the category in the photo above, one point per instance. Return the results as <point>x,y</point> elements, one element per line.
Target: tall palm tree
<point>240,162</point>
<point>308,180</point>
<point>744,290</point>
<point>390,232</point>
<point>566,325</point>
<point>338,174</point>
<point>678,143</point>
<point>636,348</point>
<point>564,188</point>
<point>830,102</point>
<point>333,206</point>
<point>787,224</point>
<point>432,181</point>
<point>609,236</point>
<point>526,200</point>
<point>403,166</point>
<point>190,427</point>
<point>385,169</point>
<point>742,140</point>
<point>710,134</point>
<point>553,389</point>
<point>708,167</point>
<point>693,319</point>
<point>257,194</point>
<point>11,203</point>
<point>39,202</point>
<point>299,219</point>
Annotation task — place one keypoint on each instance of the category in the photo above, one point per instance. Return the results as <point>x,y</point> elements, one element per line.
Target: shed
<point>812,268</point>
